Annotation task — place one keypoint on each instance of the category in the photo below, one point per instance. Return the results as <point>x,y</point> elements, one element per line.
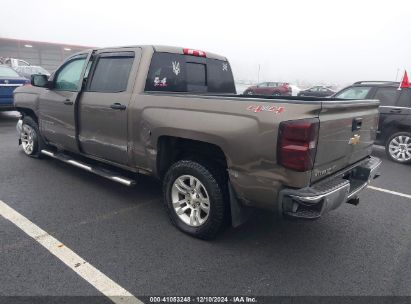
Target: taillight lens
<point>297,144</point>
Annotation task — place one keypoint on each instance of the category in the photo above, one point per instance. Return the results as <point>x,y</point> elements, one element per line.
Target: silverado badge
<point>354,140</point>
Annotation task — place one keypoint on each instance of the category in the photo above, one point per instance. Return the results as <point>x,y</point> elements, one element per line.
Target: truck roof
<point>165,49</point>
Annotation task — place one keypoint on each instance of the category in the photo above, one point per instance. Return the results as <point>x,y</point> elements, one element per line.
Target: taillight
<point>297,144</point>
<point>194,52</point>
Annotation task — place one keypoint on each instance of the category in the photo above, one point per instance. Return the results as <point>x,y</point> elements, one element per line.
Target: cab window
<point>387,96</point>
<point>68,78</point>
<point>111,72</point>
<point>405,98</point>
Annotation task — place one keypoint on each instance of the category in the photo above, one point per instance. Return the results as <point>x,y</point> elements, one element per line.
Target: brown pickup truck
<point>173,113</point>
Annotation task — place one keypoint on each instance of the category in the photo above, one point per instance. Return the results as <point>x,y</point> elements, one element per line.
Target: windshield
<point>354,93</point>
<point>8,72</point>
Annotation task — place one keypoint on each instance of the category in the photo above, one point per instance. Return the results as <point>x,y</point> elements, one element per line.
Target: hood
<point>14,80</point>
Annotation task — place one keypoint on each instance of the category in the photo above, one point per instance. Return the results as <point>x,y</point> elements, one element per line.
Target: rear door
<point>103,115</point>
<point>347,132</point>
<point>57,105</point>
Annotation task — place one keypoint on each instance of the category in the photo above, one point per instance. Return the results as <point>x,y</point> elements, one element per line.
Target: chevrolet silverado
<point>173,113</point>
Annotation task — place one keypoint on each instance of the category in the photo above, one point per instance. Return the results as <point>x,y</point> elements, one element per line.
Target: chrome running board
<point>111,175</point>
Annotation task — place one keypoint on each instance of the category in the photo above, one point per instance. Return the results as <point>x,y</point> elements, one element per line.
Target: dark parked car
<point>317,91</point>
<point>269,89</point>
<point>9,81</point>
<point>394,129</point>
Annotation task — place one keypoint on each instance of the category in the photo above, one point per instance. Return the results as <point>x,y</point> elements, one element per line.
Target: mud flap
<point>239,213</point>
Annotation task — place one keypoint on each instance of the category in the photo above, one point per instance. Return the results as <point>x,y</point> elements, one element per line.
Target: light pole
<point>258,75</point>
<point>396,76</point>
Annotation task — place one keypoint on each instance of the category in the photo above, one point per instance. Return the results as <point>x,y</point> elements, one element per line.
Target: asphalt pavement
<point>125,234</point>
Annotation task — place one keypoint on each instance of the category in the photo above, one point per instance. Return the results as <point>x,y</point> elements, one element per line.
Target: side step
<point>111,175</point>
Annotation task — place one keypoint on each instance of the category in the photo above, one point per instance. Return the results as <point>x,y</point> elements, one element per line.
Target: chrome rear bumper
<point>329,194</point>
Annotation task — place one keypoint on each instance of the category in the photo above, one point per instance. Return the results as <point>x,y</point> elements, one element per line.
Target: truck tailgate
<point>347,133</point>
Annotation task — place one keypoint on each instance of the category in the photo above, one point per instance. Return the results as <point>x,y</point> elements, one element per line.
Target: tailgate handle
<point>356,124</point>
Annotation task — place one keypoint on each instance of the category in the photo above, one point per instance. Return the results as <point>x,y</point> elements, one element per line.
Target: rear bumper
<point>344,187</point>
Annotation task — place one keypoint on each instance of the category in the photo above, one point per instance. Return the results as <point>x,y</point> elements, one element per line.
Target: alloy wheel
<point>190,200</point>
<point>400,148</point>
<point>27,139</point>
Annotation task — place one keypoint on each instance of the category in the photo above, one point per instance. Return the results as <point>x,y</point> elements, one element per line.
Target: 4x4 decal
<point>266,108</point>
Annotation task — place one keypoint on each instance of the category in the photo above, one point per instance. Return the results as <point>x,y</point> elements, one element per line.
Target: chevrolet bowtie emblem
<point>354,140</point>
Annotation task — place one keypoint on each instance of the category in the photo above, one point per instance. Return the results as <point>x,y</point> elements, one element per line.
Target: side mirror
<point>39,80</point>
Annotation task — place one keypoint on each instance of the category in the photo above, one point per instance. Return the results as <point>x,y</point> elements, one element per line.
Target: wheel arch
<point>171,149</point>
<point>392,129</point>
<point>28,112</point>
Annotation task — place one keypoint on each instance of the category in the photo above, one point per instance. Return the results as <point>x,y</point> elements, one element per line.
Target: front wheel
<point>30,137</point>
<point>195,198</point>
<point>398,147</point>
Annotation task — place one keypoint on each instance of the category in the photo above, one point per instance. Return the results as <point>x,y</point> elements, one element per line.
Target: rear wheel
<point>31,141</point>
<point>195,198</point>
<point>398,147</point>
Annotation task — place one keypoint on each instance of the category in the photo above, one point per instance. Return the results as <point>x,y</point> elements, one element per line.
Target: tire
<point>31,140</point>
<point>249,93</point>
<point>277,94</point>
<point>398,147</point>
<point>191,188</point>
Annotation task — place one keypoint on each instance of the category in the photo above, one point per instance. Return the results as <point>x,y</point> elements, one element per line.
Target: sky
<point>312,41</point>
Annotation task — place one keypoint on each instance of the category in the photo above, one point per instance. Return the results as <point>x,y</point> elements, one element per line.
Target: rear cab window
<point>171,72</point>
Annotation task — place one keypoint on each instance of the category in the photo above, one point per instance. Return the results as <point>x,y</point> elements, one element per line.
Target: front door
<point>103,107</point>
<point>57,104</point>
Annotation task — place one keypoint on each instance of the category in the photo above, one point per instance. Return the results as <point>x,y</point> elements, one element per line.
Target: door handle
<point>397,111</point>
<point>68,102</point>
<point>118,106</point>
<point>356,124</point>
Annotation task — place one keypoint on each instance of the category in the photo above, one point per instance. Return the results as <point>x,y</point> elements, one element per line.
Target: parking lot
<point>126,235</point>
